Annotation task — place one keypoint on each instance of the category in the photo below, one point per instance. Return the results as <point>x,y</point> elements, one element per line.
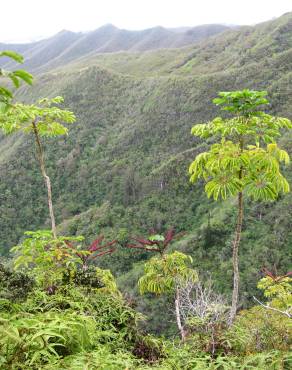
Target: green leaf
<point>13,55</point>
<point>23,75</point>
<point>3,107</point>
<point>14,79</point>
<point>156,237</point>
<point>5,92</point>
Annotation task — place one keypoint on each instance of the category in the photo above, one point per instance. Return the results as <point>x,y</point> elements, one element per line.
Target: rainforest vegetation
<point>145,203</point>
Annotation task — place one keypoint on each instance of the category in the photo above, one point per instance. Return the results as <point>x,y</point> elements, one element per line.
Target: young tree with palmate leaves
<point>42,120</point>
<point>156,243</point>
<point>245,163</point>
<point>167,274</point>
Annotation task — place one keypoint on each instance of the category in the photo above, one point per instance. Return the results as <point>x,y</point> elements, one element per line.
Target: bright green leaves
<point>43,255</point>
<point>247,158</point>
<point>16,77</point>
<point>48,102</point>
<point>223,186</point>
<point>260,188</point>
<point>278,290</point>
<point>162,274</point>
<point>12,55</point>
<point>44,119</point>
<point>261,128</point>
<point>47,117</point>
<point>199,168</point>
<point>262,178</point>
<point>260,171</point>
<point>5,96</point>
<point>35,339</point>
<point>157,237</point>
<point>20,75</point>
<point>219,167</point>
<point>279,154</point>
<point>244,102</point>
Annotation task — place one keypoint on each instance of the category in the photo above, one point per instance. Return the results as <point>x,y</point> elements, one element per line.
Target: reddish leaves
<point>96,249</point>
<point>152,245</point>
<point>274,276</point>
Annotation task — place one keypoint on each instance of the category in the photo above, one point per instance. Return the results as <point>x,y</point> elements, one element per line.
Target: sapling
<point>245,162</point>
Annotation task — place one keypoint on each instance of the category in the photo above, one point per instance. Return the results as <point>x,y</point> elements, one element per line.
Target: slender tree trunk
<point>235,259</point>
<point>40,154</point>
<point>178,318</point>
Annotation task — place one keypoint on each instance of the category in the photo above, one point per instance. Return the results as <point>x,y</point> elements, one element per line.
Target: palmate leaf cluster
<point>247,156</point>
<point>244,102</point>
<point>261,175</point>
<point>46,257</point>
<point>46,115</point>
<point>163,274</point>
<point>278,291</point>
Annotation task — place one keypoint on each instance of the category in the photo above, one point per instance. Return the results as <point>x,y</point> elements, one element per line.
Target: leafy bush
<point>100,359</point>
<point>14,285</point>
<point>40,338</point>
<point>185,358</point>
<point>258,330</point>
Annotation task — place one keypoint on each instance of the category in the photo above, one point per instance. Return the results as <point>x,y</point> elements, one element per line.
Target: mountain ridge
<point>67,46</point>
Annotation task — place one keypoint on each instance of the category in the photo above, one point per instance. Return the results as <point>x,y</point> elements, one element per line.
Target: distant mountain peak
<point>64,31</point>
<point>109,27</point>
<point>67,46</point>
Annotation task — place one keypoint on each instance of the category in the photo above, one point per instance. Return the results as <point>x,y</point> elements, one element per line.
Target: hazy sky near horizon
<point>29,20</point>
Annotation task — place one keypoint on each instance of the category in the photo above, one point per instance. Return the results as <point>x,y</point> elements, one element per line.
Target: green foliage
<point>131,176</point>
<point>278,290</point>
<point>130,123</point>
<point>16,77</point>
<point>47,258</point>
<point>99,359</point>
<point>184,358</point>
<point>163,274</point>
<point>42,338</point>
<point>243,102</point>
<point>247,158</point>
<point>65,323</point>
<point>14,286</point>
<point>258,330</point>
<point>157,237</point>
<point>45,115</point>
<point>108,280</point>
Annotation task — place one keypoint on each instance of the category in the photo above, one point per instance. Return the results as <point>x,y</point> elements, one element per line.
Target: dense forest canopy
<point>133,235</point>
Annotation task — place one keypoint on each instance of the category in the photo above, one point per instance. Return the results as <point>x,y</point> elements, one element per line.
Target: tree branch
<point>273,308</point>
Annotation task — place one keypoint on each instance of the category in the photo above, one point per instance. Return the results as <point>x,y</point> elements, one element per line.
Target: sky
<point>30,20</point>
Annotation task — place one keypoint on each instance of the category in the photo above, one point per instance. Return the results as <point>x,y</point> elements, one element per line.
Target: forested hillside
<point>124,165</point>
<point>145,207</point>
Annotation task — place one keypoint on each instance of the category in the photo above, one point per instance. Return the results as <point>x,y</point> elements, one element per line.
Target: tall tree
<point>246,161</point>
<point>42,120</point>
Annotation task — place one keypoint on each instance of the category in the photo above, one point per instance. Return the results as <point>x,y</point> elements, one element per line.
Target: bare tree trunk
<point>235,259</point>
<point>40,154</point>
<point>178,318</point>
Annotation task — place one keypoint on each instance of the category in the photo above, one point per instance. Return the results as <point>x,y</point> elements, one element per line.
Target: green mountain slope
<point>124,163</point>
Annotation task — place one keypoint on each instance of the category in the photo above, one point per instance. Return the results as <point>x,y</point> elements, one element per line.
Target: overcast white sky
<point>26,20</point>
